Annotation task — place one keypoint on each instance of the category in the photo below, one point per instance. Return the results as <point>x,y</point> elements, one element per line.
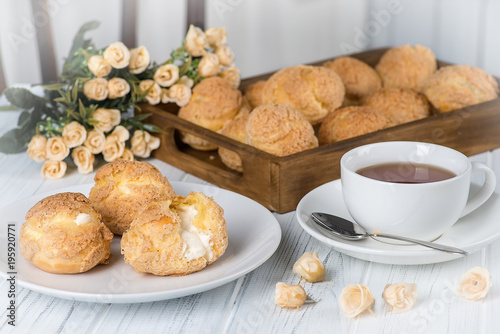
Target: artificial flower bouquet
<point>89,111</point>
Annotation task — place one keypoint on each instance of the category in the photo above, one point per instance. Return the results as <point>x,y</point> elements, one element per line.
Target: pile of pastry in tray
<point>162,233</point>
<point>302,107</point>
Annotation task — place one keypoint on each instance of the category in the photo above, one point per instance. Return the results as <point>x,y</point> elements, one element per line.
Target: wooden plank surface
<point>246,305</point>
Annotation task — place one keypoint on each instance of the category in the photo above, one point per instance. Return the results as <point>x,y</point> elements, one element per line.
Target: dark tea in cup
<point>405,172</point>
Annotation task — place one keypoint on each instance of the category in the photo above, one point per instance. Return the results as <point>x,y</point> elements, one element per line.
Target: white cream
<point>123,188</point>
<point>196,242</point>
<point>83,218</point>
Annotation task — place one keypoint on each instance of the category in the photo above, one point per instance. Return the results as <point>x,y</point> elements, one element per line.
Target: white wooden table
<point>247,304</point>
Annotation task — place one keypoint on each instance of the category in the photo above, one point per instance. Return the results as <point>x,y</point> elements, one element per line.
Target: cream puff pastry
<point>214,102</point>
<point>458,86</point>
<point>279,130</point>
<point>176,236</point>
<point>122,187</point>
<point>406,66</point>
<point>63,234</point>
<point>311,90</point>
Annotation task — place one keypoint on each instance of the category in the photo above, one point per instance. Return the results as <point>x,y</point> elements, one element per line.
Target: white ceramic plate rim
<point>244,218</point>
<point>331,192</point>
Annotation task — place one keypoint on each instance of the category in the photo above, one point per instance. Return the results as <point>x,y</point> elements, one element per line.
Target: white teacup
<point>422,210</point>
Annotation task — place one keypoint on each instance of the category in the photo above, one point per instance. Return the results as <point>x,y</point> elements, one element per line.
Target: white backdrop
<point>264,34</point>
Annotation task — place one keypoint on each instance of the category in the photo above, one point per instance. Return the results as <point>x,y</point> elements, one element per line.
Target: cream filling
<point>196,243</point>
<point>83,218</point>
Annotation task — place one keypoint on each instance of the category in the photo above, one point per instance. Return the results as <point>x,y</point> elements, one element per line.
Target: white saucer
<point>253,233</point>
<point>471,233</point>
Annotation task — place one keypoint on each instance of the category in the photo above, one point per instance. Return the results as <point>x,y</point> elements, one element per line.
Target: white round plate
<point>470,233</point>
<point>253,234</point>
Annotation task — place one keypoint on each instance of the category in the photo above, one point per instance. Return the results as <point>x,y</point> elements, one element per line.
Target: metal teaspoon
<point>348,230</point>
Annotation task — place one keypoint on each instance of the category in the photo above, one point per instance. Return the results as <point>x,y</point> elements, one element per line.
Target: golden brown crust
<point>350,122</point>
<point>359,78</point>
<point>279,130</point>
<point>312,90</point>
<point>235,129</point>
<point>52,240</point>
<point>213,103</point>
<point>155,244</point>
<point>254,93</point>
<point>400,105</point>
<point>458,86</point>
<point>122,187</point>
<point>406,66</point>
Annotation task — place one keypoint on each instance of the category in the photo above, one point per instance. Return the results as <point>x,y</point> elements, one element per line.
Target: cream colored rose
<point>98,66</point>
<point>96,89</point>
<point>121,133</point>
<point>180,94</point>
<point>186,81</point>
<point>209,65</point>
<point>475,284</point>
<point>54,169</point>
<point>127,155</point>
<point>117,87</point>
<point>95,141</point>
<point>196,41</point>
<point>37,148</point>
<point>290,296</point>
<point>143,143</point>
<point>400,297</point>
<point>74,134</point>
<point>310,267</point>
<point>139,60</point>
<point>113,148</point>
<point>231,75</point>
<point>83,159</point>
<point>166,75</point>
<point>56,149</point>
<point>355,299</point>
<point>165,96</point>
<point>154,93</point>
<point>225,55</point>
<point>107,119</point>
<point>217,37</point>
<point>117,55</point>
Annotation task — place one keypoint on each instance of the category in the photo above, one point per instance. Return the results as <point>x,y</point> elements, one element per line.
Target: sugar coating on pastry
<point>213,103</point>
<point>458,86</point>
<point>401,105</point>
<point>312,90</point>
<point>63,234</point>
<point>176,236</point>
<point>122,187</point>
<point>235,129</point>
<point>359,78</point>
<point>279,130</point>
<point>350,122</point>
<point>254,93</point>
<point>406,66</point>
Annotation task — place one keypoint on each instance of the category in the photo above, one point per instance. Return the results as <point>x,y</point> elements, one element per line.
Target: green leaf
<point>55,86</point>
<point>24,118</point>
<point>9,108</point>
<point>22,98</point>
<point>12,141</point>
<point>74,92</point>
<point>78,40</point>
<point>153,128</point>
<point>140,117</point>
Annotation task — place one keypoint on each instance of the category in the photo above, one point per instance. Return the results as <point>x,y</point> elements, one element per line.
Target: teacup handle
<point>486,190</point>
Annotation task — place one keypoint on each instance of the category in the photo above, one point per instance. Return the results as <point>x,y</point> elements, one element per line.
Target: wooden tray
<point>279,183</point>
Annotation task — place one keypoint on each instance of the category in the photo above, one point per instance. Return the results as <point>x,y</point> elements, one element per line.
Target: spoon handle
<point>433,245</point>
